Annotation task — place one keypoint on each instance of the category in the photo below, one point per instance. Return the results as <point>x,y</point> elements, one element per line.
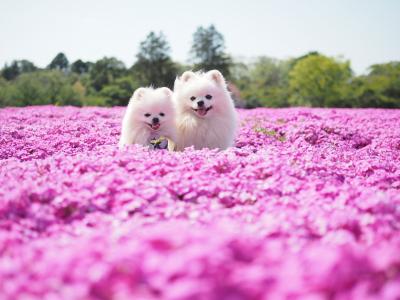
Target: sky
<point>364,32</point>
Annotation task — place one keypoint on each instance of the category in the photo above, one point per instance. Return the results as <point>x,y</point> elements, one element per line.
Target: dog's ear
<point>187,76</point>
<point>166,91</point>
<point>138,94</point>
<point>216,76</point>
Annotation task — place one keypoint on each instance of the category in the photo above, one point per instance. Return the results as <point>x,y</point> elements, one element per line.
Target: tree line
<point>310,80</point>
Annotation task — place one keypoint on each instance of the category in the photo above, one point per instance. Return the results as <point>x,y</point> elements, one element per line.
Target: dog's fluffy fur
<point>205,112</point>
<point>145,106</point>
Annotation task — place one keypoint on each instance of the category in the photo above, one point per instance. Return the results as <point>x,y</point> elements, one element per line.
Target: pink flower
<point>306,206</point>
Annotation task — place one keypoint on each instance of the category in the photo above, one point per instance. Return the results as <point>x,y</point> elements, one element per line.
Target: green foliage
<point>41,87</point>
<point>94,100</point>
<point>17,68</point>
<point>294,61</point>
<point>319,80</point>
<point>60,62</point>
<point>263,82</point>
<point>10,72</point>
<point>46,87</point>
<point>80,67</point>
<point>119,92</point>
<point>309,80</point>
<point>380,88</point>
<point>154,65</point>
<point>6,91</point>
<point>105,71</point>
<point>208,51</point>
<point>272,133</point>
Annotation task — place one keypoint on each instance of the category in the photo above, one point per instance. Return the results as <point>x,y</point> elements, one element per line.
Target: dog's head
<point>153,107</point>
<point>203,94</point>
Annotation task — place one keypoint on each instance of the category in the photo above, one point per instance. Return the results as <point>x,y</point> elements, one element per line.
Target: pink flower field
<point>305,206</point>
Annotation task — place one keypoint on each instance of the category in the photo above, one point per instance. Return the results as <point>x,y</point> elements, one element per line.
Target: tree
<point>379,88</point>
<point>262,82</point>
<point>208,51</point>
<point>388,69</point>
<point>5,93</point>
<point>318,80</point>
<point>17,68</point>
<point>60,62</point>
<point>294,61</point>
<point>119,92</point>
<point>80,67</point>
<point>105,71</point>
<point>10,72</point>
<point>154,65</point>
<point>41,87</point>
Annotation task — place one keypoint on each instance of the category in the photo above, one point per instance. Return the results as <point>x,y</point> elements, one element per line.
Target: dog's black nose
<point>156,120</point>
<point>200,103</point>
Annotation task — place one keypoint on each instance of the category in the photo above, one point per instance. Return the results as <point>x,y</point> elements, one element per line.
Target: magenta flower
<point>305,206</point>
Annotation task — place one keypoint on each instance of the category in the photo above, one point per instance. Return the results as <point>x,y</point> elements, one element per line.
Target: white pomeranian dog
<point>149,119</point>
<point>205,112</point>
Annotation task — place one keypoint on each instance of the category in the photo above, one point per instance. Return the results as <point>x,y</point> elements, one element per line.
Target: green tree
<point>263,82</point>
<point>379,88</point>
<point>17,68</point>
<point>294,61</point>
<point>318,80</point>
<point>80,67</point>
<point>208,51</point>
<point>119,92</point>
<point>154,65</point>
<point>60,62</point>
<point>5,93</point>
<point>42,87</point>
<point>25,66</point>
<point>10,72</point>
<point>105,71</point>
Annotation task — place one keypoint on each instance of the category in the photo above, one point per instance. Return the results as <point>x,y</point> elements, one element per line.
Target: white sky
<point>366,32</point>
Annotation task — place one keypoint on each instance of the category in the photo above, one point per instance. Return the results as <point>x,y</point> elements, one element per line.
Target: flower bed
<point>306,206</point>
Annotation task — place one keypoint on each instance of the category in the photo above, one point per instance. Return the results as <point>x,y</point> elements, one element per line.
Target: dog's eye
<point>208,97</point>
<point>193,98</point>
<point>147,115</point>
<point>162,114</point>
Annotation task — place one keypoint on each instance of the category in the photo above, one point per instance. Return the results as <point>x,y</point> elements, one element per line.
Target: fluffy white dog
<point>149,119</point>
<point>205,112</point>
